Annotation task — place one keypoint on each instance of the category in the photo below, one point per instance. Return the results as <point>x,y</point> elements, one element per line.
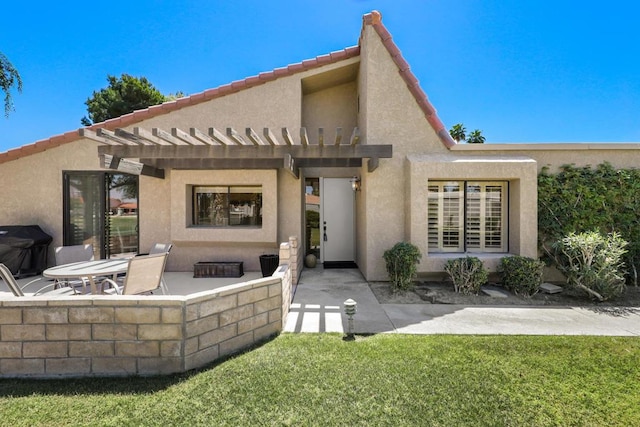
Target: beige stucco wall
<point>194,244</point>
<point>31,189</point>
<point>331,108</point>
<point>520,172</point>
<point>556,155</point>
<point>389,115</point>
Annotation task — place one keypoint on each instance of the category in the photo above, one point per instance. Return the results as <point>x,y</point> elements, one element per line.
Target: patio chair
<point>160,248</point>
<point>71,254</point>
<point>144,276</point>
<point>14,287</point>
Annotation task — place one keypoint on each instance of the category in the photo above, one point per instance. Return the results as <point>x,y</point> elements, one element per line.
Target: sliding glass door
<point>101,209</point>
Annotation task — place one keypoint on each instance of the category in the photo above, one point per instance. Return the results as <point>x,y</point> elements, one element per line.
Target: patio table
<point>89,270</point>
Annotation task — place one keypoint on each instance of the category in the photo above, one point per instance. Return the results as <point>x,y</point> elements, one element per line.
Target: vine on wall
<point>582,199</point>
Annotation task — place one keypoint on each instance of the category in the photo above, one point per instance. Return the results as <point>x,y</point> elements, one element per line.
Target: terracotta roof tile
<point>374,19</point>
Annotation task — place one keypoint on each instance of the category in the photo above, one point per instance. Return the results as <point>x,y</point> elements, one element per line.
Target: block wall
<point>85,336</point>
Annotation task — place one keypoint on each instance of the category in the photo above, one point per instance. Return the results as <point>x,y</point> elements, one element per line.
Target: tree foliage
<point>583,199</point>
<point>476,137</point>
<point>9,77</point>
<point>458,132</point>
<point>122,96</point>
<point>593,263</point>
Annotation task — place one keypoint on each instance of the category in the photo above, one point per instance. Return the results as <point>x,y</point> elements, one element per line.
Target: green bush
<point>401,261</point>
<point>581,199</point>
<point>468,274</point>
<point>521,275</point>
<point>593,263</point>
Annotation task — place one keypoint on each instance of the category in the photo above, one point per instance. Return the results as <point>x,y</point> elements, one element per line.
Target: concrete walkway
<point>318,307</point>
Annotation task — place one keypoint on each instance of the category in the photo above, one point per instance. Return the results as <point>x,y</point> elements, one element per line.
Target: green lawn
<point>394,380</point>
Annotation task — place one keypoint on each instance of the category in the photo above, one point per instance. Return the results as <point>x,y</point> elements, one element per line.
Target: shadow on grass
<point>132,385</point>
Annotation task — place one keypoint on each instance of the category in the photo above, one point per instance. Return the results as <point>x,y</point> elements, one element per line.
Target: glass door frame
<point>104,235</point>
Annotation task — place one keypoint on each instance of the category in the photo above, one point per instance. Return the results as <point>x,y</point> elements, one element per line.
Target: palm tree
<point>458,132</point>
<point>9,77</point>
<point>476,137</point>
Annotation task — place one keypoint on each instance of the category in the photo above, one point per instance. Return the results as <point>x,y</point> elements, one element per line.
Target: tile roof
<point>374,19</point>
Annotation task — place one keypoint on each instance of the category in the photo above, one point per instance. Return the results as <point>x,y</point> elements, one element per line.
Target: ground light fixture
<point>350,309</point>
<point>355,183</point>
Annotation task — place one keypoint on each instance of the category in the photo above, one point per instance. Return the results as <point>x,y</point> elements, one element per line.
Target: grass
<point>394,380</point>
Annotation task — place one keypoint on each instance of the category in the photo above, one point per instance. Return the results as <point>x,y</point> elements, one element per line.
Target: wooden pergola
<point>144,152</point>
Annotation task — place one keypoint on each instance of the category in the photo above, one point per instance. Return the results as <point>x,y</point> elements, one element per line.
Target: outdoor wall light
<point>355,183</point>
<point>350,309</point>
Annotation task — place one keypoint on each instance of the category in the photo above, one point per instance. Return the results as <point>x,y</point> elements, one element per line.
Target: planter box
<point>218,269</point>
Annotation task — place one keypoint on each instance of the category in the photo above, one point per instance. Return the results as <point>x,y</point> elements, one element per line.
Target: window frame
<point>437,241</point>
<point>254,216</point>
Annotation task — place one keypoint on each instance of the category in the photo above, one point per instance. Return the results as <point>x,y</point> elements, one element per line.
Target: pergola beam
<point>219,136</point>
<point>355,136</point>
<point>271,138</point>
<point>304,139</point>
<point>149,153</point>
<point>288,139</point>
<point>104,133</point>
<point>145,134</point>
<point>159,133</point>
<point>247,152</point>
<point>88,133</point>
<point>236,137</point>
<point>201,136</point>
<point>183,136</point>
<point>254,137</point>
<point>338,136</point>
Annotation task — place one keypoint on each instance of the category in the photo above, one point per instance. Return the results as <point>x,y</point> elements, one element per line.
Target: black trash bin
<point>269,264</point>
<point>23,249</point>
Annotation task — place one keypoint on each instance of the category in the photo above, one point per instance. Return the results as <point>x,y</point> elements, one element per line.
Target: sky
<point>520,71</point>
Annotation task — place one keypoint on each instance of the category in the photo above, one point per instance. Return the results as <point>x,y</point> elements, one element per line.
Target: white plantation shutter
<point>495,214</point>
<point>485,217</point>
<point>467,216</point>
<point>445,214</point>
<point>474,217</point>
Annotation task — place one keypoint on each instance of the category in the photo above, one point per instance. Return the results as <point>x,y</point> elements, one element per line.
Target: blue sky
<point>521,71</point>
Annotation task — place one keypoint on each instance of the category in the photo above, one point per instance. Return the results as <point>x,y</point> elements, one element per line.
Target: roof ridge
<point>374,19</point>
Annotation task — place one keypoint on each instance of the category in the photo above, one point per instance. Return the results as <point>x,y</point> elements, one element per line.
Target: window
<point>466,216</point>
<point>225,206</point>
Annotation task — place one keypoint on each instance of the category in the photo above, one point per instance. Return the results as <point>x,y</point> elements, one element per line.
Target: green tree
<point>458,132</point>
<point>9,77</point>
<point>123,96</point>
<point>475,137</point>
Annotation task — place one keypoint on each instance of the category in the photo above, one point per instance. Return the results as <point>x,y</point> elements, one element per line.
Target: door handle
<point>324,232</point>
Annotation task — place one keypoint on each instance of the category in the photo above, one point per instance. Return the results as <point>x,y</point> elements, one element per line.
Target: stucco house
<point>224,174</point>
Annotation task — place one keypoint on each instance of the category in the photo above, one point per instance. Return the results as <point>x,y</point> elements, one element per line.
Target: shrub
<point>521,275</point>
<point>401,262</point>
<point>593,263</point>
<point>468,274</point>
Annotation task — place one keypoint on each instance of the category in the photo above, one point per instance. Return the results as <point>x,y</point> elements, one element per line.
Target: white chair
<point>160,248</point>
<point>14,287</point>
<point>144,275</point>
<point>69,255</point>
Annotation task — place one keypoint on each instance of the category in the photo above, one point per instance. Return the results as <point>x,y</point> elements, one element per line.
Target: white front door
<point>337,228</point>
